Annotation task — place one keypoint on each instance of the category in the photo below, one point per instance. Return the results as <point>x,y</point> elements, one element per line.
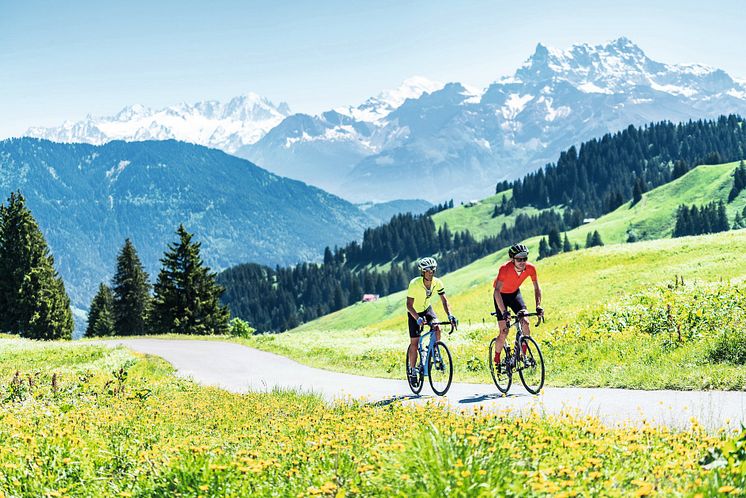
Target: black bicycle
<point>435,362</point>
<point>525,358</point>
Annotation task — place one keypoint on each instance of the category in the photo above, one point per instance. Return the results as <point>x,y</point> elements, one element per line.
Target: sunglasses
<point>429,268</point>
<point>520,260</point>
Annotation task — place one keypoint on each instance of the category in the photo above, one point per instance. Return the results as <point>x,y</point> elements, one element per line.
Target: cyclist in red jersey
<point>507,293</point>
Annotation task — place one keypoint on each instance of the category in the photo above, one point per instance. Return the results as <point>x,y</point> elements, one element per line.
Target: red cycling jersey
<point>511,279</point>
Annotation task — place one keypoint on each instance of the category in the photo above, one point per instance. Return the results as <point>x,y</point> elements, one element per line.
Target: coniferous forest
<point>604,173</point>
<point>282,298</point>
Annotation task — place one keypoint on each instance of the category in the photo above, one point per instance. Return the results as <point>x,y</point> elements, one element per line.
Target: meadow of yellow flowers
<point>89,421</point>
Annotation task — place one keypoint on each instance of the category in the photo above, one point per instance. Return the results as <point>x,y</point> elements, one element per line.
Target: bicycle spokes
<point>531,366</point>
<point>440,369</point>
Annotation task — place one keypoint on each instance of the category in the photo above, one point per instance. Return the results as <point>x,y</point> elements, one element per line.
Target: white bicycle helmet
<point>427,264</point>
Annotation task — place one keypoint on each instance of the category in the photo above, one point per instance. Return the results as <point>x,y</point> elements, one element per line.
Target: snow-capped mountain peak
<point>376,109</point>
<point>242,120</point>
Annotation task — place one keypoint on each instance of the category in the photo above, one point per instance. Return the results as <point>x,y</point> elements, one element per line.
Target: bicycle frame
<point>516,322</point>
<point>525,364</point>
<point>430,346</point>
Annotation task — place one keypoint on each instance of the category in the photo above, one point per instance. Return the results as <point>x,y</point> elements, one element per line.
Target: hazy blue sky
<point>64,59</point>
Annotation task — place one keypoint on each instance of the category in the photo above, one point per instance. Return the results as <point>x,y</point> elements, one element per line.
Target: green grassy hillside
<point>372,336</point>
<point>654,216</point>
<point>477,216</point>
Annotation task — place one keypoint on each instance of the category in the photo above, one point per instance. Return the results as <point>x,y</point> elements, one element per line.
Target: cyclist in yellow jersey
<point>419,310</point>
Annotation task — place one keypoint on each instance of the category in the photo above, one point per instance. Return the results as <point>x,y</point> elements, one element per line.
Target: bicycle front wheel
<point>415,384</point>
<point>501,374</point>
<point>440,368</point>
<point>531,365</point>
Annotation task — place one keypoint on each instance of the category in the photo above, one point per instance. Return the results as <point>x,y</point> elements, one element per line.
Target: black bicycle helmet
<point>518,250</point>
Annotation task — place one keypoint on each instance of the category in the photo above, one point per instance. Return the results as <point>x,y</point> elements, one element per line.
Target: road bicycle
<point>435,362</point>
<point>525,358</point>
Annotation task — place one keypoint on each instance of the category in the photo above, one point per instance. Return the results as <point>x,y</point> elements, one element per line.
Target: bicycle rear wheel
<point>416,388</point>
<point>531,366</point>
<point>501,375</point>
<point>440,369</point>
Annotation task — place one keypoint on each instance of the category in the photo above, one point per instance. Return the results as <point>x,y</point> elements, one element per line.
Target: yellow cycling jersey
<point>421,294</point>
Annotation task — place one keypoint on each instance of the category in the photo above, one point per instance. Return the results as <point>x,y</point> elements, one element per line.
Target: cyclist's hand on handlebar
<point>453,320</point>
<point>420,322</point>
<point>506,315</point>
<point>540,311</point>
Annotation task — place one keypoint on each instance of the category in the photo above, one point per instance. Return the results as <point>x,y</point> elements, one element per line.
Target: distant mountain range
<point>88,199</point>
<point>226,126</point>
<point>433,141</point>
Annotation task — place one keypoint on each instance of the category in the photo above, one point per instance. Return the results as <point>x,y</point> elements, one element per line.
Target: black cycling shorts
<point>428,315</point>
<point>513,300</point>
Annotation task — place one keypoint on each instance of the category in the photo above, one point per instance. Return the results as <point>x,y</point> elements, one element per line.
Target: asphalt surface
<point>241,369</point>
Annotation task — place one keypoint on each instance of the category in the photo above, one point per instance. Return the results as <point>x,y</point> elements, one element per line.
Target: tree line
<point>34,303</point>
<point>693,220</point>
<point>282,298</point>
<point>185,299</point>
<point>604,172</point>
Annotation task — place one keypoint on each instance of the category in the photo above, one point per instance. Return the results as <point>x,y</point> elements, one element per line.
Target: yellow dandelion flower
<point>726,489</point>
<point>204,487</point>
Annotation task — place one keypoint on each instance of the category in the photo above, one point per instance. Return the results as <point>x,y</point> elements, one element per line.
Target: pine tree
<point>101,313</point>
<point>33,300</point>
<point>637,192</point>
<point>596,241</point>
<point>566,246</point>
<point>593,239</point>
<point>544,250</point>
<point>739,181</point>
<point>131,293</point>
<point>187,297</point>
<point>555,241</point>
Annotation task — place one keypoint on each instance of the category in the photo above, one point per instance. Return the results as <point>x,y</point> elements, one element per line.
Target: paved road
<point>241,369</point>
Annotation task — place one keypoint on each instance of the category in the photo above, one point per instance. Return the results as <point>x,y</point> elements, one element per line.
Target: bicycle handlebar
<point>454,326</point>
<point>522,315</point>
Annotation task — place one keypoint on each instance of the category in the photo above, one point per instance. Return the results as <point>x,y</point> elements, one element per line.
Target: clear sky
<point>65,59</point>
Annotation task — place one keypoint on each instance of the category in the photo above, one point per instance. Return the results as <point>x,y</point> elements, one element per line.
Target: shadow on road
<point>394,399</point>
<point>487,397</point>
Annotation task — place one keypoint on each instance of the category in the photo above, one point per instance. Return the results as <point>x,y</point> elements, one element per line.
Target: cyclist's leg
<point>430,316</point>
<point>414,341</point>
<point>502,326</point>
<point>525,327</point>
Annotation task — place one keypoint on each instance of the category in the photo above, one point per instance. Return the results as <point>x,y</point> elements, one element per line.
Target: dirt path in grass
<point>240,369</point>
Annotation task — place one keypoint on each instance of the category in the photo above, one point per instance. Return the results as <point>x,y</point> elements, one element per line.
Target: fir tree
<point>187,297</point>
<point>131,293</point>
<point>739,181</point>
<point>593,239</point>
<point>566,246</point>
<point>544,250</point>
<point>555,241</point>
<point>637,192</point>
<point>101,313</point>
<point>33,300</point>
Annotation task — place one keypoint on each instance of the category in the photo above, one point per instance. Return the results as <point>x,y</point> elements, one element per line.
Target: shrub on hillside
<point>677,314</point>
<point>240,328</point>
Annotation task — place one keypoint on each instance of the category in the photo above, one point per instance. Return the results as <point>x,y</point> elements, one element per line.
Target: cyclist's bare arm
<point>446,308</point>
<point>410,308</point>
<point>537,293</point>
